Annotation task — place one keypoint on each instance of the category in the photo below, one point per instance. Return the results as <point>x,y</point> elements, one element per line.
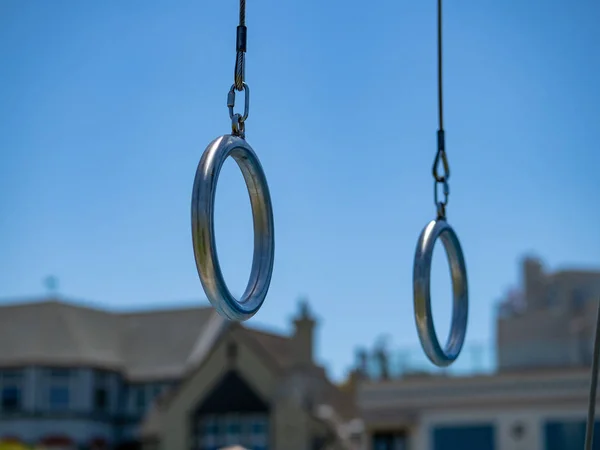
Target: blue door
<point>468,437</point>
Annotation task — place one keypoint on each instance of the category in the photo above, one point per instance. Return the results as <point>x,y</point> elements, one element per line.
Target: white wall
<point>503,420</point>
<point>501,400</point>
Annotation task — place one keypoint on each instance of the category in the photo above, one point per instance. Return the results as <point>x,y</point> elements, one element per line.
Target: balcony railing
<point>475,358</point>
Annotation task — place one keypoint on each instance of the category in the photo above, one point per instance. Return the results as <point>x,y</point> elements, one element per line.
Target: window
<point>467,437</point>
<point>209,434</point>
<point>221,430</point>
<point>233,429</point>
<point>567,435</point>
<point>211,427</point>
<point>11,382</point>
<point>11,398</point>
<point>258,428</point>
<point>389,441</point>
<point>59,397</point>
<point>100,399</point>
<point>59,392</point>
<point>101,390</point>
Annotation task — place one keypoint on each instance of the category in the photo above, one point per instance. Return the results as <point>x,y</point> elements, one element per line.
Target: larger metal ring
<point>203,233</point>
<point>422,295</point>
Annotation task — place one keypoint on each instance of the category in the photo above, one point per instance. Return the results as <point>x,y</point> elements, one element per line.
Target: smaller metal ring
<point>203,228</point>
<point>422,294</point>
<point>238,127</point>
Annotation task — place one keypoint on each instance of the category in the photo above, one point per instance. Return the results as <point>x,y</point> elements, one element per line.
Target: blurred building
<point>76,377</point>
<point>550,322</point>
<point>534,399</point>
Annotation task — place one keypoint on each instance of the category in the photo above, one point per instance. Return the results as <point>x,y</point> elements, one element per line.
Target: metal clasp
<point>441,205</point>
<point>441,179</point>
<point>231,101</point>
<point>238,120</point>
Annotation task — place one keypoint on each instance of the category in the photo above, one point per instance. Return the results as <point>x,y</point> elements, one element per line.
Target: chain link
<point>440,156</point>
<point>441,179</point>
<point>238,120</point>
<point>239,83</point>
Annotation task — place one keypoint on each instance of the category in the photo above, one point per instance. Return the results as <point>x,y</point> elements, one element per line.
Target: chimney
<point>534,280</point>
<point>303,338</point>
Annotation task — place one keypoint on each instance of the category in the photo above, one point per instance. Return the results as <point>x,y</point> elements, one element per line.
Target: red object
<point>56,441</point>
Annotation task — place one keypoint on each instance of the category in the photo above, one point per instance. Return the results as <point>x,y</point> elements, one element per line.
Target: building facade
<point>534,410</point>
<point>258,390</point>
<point>535,399</point>
<point>549,322</point>
<point>75,377</point>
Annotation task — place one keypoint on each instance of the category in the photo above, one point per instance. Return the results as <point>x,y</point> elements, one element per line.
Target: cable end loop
<point>440,156</point>
<point>441,141</point>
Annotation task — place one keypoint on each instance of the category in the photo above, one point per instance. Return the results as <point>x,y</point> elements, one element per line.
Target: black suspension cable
<point>589,427</point>
<point>440,92</point>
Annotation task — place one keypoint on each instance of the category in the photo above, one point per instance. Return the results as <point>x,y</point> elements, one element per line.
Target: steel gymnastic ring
<point>422,295</point>
<point>203,229</point>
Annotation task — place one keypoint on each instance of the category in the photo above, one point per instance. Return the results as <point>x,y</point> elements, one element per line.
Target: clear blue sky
<point>106,107</point>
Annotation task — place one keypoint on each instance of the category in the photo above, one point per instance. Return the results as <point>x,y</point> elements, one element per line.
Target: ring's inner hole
<point>441,292</point>
<point>234,233</point>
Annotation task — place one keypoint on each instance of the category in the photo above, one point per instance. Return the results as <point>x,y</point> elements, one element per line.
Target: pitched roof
<point>160,342</point>
<point>149,344</point>
<point>277,346</point>
<point>278,350</point>
<point>154,344</point>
